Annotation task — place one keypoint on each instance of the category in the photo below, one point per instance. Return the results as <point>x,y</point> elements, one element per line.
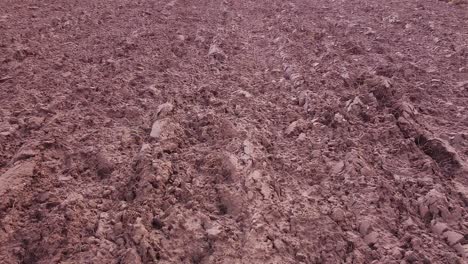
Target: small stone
<point>157,128</point>
<point>439,228</point>
<point>371,238</point>
<point>453,237</point>
<point>338,215</point>
<point>164,110</point>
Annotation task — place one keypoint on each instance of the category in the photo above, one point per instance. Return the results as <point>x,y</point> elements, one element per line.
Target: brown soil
<point>233,131</point>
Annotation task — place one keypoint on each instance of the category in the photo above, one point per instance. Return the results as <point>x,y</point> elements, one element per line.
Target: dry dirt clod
<point>35,122</point>
<point>371,238</point>
<point>167,132</point>
<point>462,250</point>
<point>439,228</point>
<point>337,167</point>
<point>365,227</point>
<point>302,98</point>
<point>7,129</point>
<point>295,127</point>
<point>66,74</point>
<point>163,170</point>
<point>25,152</point>
<point>244,93</point>
<point>355,104</point>
<point>216,52</point>
<point>17,176</point>
<point>301,137</point>
<point>131,256</point>
<point>301,256</point>
<point>291,128</point>
<point>157,128</point>
<point>279,244</point>
<point>42,197</point>
<point>181,37</point>
<point>396,252</point>
<point>453,237</point>
<point>409,223</point>
<point>411,256</point>
<point>248,148</point>
<point>338,215</point>
<point>462,190</point>
<point>423,210</point>
<point>164,110</point>
<point>213,230</point>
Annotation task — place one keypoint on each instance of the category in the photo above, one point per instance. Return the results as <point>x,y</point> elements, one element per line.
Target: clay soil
<point>256,131</point>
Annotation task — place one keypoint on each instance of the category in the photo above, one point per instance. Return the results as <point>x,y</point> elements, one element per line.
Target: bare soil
<point>302,131</point>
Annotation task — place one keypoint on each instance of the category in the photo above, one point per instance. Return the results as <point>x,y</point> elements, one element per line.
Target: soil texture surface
<point>250,131</point>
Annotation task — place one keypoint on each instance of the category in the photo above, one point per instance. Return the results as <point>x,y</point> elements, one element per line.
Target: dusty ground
<point>230,131</point>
